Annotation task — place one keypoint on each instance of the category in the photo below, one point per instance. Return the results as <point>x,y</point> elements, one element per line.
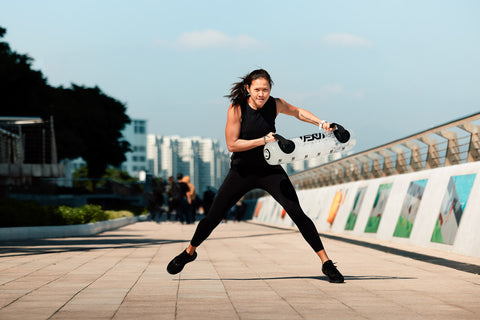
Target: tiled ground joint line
<point>93,282</point>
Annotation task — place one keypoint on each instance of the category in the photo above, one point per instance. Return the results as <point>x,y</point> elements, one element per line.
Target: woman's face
<point>259,92</point>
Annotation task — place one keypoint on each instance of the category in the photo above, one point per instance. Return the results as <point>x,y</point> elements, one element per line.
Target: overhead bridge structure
<point>452,143</point>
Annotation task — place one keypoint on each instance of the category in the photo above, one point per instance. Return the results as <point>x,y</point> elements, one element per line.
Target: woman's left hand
<point>325,126</point>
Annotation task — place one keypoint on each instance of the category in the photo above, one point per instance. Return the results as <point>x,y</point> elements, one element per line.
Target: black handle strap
<point>340,133</point>
<point>287,146</point>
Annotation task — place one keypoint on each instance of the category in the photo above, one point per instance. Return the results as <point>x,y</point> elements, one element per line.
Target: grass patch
<point>119,214</point>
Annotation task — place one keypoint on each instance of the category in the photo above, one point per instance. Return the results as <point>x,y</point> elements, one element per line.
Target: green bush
<point>87,214</point>
<point>119,214</point>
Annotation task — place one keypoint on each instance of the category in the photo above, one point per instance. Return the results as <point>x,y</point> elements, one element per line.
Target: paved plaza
<point>243,271</point>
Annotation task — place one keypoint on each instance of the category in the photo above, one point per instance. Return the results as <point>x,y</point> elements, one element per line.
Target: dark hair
<point>239,94</point>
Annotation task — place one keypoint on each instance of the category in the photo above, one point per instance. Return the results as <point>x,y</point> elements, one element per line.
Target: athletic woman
<point>251,125</point>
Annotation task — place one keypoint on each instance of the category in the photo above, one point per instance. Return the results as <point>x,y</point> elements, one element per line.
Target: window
<point>139,148</point>
<point>139,126</point>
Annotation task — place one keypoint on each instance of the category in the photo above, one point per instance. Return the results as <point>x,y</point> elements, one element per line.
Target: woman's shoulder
<point>280,104</point>
<point>234,112</point>
<point>234,108</point>
<point>277,101</point>
<point>238,107</point>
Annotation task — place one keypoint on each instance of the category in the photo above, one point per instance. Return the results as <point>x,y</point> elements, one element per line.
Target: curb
<point>77,230</point>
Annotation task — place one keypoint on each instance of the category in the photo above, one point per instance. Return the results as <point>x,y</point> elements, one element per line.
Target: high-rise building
<point>136,134</point>
<point>200,158</point>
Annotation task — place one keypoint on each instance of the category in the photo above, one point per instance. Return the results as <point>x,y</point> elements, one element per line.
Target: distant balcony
<point>27,150</point>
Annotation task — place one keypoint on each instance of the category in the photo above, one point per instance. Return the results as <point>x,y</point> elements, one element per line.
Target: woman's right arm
<point>232,133</point>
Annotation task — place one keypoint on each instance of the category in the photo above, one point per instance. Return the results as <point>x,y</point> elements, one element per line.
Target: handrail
<point>416,152</point>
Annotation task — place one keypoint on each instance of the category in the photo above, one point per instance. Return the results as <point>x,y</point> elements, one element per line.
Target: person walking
<point>173,198</point>
<point>183,210</point>
<point>250,125</point>
<point>207,201</point>
<point>239,210</point>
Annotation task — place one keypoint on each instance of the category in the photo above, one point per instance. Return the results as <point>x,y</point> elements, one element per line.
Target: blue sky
<point>385,69</point>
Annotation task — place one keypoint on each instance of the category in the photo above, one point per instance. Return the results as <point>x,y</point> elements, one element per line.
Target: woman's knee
<point>210,222</point>
<point>298,216</point>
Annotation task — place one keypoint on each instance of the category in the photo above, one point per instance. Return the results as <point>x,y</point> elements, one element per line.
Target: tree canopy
<point>23,90</point>
<point>88,123</point>
<point>91,124</point>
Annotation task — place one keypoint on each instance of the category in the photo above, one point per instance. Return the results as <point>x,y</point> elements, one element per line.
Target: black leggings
<point>272,179</point>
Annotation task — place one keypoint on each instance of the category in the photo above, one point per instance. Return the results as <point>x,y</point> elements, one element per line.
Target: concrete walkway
<point>244,271</point>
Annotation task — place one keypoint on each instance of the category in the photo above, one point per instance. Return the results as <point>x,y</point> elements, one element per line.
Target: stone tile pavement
<point>244,271</point>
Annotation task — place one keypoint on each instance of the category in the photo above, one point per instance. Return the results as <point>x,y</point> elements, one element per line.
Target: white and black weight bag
<point>308,146</point>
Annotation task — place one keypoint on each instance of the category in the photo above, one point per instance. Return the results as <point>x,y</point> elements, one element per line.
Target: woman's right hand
<point>269,137</point>
<point>232,133</point>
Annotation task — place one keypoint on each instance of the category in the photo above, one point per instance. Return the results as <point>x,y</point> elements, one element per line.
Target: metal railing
<point>27,150</point>
<point>449,144</point>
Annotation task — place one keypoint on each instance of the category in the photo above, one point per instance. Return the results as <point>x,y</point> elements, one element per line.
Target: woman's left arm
<point>299,113</point>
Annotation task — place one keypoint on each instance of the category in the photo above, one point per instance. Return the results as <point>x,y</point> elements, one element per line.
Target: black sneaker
<point>177,264</point>
<point>330,270</point>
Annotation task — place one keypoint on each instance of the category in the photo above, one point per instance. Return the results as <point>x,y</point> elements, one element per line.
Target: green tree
<point>88,123</point>
<point>93,121</point>
<point>81,178</point>
<point>23,91</point>
<point>119,175</point>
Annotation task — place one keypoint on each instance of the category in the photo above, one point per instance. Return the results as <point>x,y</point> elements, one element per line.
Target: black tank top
<point>255,124</point>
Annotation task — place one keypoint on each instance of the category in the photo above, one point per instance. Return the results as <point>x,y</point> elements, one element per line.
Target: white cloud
<point>329,92</point>
<point>332,90</point>
<point>210,39</point>
<point>346,40</point>
<point>202,39</point>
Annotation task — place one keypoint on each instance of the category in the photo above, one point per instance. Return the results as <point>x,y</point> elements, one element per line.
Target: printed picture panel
<point>257,209</point>
<point>352,217</point>
<point>378,207</point>
<point>409,210</point>
<point>451,210</point>
<point>337,202</point>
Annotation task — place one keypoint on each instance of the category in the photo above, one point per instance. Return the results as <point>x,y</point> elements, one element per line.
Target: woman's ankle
<point>191,250</point>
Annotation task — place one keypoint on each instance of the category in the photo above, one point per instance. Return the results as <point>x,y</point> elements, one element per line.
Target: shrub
<point>87,214</point>
<point>119,214</point>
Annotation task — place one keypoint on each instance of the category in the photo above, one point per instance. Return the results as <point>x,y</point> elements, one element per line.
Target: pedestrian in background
<point>183,210</point>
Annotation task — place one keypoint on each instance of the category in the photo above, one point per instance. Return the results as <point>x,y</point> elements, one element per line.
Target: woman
<point>251,125</point>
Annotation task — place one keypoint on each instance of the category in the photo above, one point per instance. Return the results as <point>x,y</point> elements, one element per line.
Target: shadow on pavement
<point>462,266</point>
<point>347,278</point>
<point>97,242</point>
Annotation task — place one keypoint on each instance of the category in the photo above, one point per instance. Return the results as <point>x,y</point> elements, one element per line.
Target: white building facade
<point>136,134</point>
<point>200,158</point>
